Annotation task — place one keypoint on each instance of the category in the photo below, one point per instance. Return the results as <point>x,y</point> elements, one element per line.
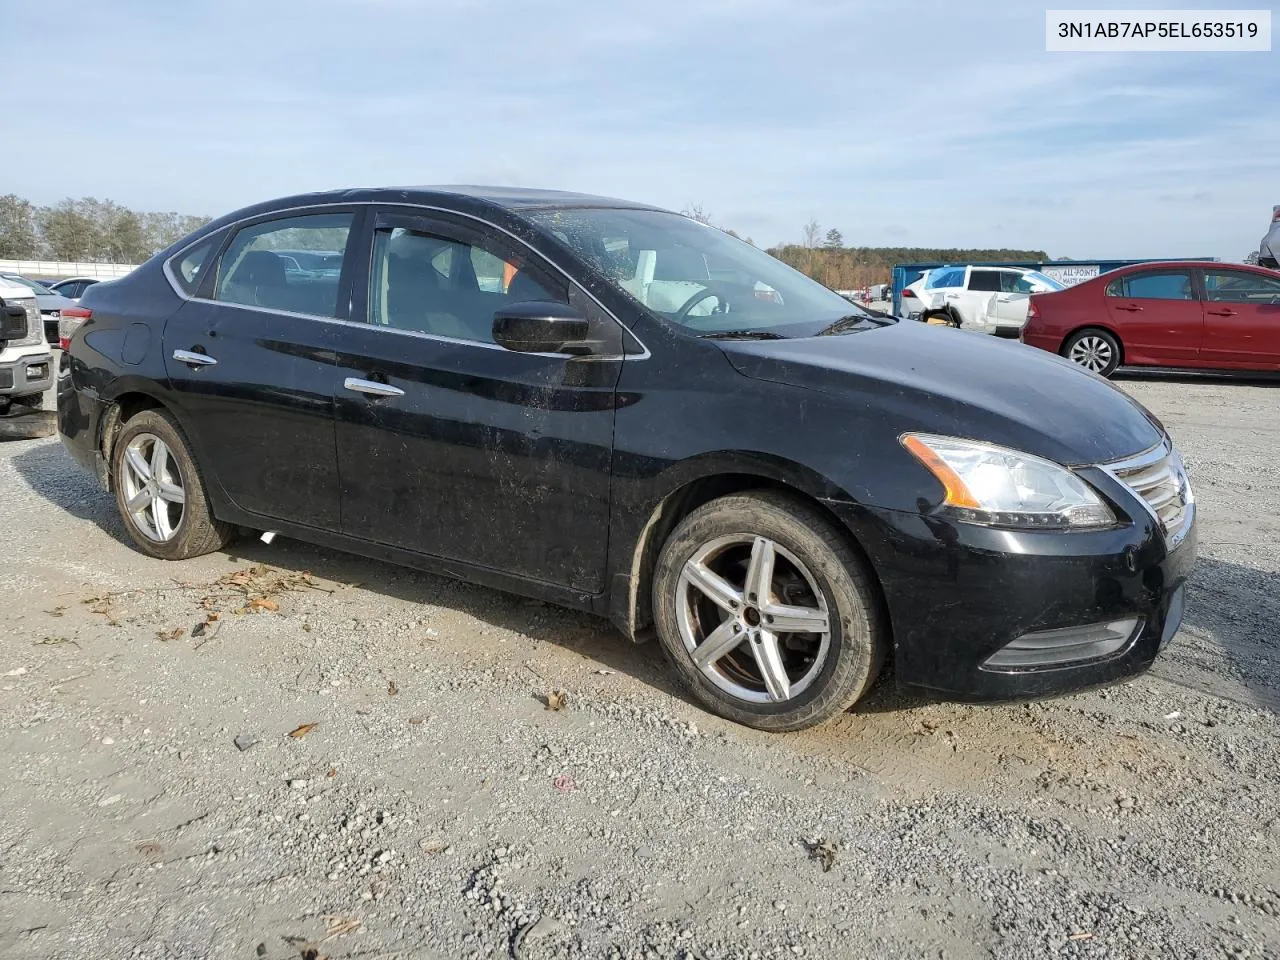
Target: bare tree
<point>695,211</point>
<point>812,234</point>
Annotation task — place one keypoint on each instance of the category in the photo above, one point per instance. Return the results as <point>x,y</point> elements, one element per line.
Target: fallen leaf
<point>392,689</point>
<point>433,846</point>
<point>417,721</point>
<point>333,772</point>
<point>54,641</point>
<point>263,603</point>
<point>150,849</point>
<point>56,611</point>
<point>300,732</point>
<point>1081,936</point>
<point>174,634</point>
<point>557,699</point>
<point>824,851</point>
<point>564,783</point>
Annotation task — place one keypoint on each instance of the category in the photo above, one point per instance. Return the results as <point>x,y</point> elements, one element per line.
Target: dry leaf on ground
<point>175,634</point>
<point>299,732</point>
<point>392,689</point>
<point>557,699</point>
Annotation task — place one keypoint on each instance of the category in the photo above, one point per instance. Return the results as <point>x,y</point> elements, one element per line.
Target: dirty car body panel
<point>558,476</point>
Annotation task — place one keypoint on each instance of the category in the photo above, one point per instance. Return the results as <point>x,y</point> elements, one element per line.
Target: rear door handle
<point>1221,313</point>
<point>1130,307</point>
<point>372,387</point>
<point>194,359</point>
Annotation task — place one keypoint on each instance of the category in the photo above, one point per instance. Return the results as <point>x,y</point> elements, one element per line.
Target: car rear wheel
<point>767,613</point>
<point>1095,350</point>
<point>160,491</point>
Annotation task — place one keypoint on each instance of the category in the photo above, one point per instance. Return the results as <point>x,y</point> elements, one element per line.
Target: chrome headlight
<point>1002,487</point>
<point>35,324</point>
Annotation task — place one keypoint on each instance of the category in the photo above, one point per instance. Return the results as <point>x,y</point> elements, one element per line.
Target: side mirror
<point>541,326</point>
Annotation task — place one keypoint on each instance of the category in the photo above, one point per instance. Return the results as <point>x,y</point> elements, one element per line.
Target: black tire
<point>28,425</point>
<point>857,627</point>
<point>198,531</point>
<point>1090,343</point>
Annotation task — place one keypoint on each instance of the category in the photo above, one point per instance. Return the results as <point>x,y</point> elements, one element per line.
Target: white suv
<point>1269,249</point>
<point>26,363</point>
<point>981,299</point>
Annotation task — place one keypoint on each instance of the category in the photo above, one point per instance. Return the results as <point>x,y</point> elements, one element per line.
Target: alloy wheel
<point>753,618</point>
<point>154,494</point>
<point>1093,353</point>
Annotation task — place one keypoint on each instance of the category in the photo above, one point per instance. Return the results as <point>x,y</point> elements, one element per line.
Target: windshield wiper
<point>742,335</point>
<point>853,321</point>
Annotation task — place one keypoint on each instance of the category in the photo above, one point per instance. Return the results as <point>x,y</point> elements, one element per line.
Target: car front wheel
<point>160,492</point>
<point>767,612</point>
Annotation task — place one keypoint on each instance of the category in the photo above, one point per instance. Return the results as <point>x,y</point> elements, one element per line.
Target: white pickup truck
<point>26,362</point>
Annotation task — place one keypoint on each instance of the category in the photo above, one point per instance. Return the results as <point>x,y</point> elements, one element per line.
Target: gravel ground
<point>166,796</point>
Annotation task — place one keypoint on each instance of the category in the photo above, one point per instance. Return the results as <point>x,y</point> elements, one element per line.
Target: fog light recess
<point>1064,646</point>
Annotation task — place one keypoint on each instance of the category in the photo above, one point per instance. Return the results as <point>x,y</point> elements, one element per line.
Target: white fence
<point>51,269</point>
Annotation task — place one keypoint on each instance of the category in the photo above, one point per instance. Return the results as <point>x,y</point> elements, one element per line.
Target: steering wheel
<point>706,292</point>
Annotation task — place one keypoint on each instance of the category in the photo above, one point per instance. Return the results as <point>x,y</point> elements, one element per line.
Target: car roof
<point>510,202</point>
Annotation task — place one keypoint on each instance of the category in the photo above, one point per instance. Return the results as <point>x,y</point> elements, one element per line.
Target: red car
<point>1194,315</point>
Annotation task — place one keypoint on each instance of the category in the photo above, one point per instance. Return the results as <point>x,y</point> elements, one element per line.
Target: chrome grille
<point>1159,477</point>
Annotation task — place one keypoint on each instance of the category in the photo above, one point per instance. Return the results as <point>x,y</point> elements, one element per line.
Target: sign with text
<point>1073,274</point>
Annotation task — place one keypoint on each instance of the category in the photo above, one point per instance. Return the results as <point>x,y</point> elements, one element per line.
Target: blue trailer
<point>1067,271</point>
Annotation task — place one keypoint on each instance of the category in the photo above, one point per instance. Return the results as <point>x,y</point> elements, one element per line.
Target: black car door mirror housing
<point>542,326</point>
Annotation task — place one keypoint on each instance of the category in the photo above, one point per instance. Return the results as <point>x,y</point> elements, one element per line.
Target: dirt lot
<point>156,804</point>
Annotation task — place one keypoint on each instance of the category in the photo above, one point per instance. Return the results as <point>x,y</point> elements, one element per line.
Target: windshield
<point>1034,281</point>
<point>698,276</point>
<point>30,284</point>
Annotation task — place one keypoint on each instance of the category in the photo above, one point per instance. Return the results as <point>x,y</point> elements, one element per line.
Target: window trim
<point>364,225</point>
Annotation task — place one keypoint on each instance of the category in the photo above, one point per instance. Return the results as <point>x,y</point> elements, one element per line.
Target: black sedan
<point>616,408</point>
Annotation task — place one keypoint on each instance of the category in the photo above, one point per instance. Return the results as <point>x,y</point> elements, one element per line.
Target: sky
<point>931,123</point>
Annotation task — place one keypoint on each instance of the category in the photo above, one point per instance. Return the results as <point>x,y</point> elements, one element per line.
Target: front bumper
<point>959,593</point>
<point>26,374</point>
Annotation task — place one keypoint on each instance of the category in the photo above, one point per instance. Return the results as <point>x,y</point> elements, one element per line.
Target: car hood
<point>940,380</point>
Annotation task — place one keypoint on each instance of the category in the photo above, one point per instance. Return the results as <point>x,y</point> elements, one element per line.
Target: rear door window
<point>986,281</point>
<point>1153,285</point>
<point>292,264</point>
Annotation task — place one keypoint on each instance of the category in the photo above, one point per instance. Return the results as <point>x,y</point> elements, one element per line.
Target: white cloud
<point>928,122</point>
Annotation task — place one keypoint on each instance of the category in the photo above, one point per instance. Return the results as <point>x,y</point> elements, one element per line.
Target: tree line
<point>824,256</point>
<point>87,230</point>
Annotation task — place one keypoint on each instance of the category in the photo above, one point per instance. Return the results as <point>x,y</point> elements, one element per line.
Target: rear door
<point>1157,314</point>
<point>1241,319</point>
<point>252,359</point>
<point>453,446</point>
<point>977,301</point>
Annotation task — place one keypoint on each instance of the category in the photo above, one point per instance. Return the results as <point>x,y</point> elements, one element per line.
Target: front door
<point>1241,319</point>
<point>1157,314</point>
<point>452,446</point>
<point>251,359</point>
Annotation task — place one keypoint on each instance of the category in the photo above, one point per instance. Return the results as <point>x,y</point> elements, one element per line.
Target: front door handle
<point>1130,307</point>
<point>194,359</point>
<point>1221,313</point>
<point>372,387</point>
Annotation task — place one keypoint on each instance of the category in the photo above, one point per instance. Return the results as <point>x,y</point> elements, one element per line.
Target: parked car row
<point>979,299</point>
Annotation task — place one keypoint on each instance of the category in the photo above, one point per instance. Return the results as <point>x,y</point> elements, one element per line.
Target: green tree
<point>70,231</point>
<point>834,241</point>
